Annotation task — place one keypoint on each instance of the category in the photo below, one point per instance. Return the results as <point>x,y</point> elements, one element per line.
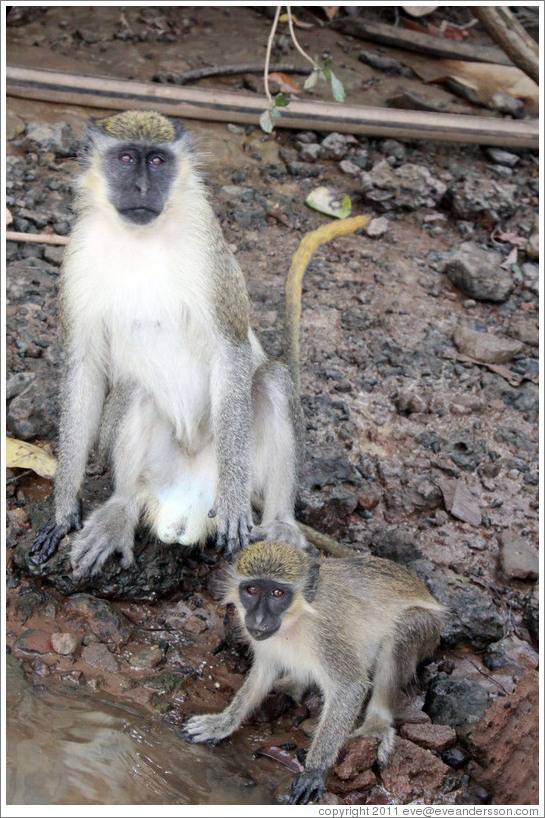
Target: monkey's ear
<point>88,141</point>
<point>313,578</point>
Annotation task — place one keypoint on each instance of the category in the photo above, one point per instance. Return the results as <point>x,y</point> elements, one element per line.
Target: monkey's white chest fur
<point>148,302</point>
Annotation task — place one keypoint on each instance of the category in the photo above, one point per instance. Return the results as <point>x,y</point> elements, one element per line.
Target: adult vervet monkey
<point>354,627</point>
<point>161,363</point>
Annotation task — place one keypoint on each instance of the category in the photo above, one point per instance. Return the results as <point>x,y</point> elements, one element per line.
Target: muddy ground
<point>419,386</point>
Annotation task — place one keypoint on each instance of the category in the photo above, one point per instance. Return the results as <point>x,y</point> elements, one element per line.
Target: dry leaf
<point>9,217</point>
<point>23,455</point>
<point>296,22</point>
<point>283,756</point>
<point>330,11</point>
<point>285,83</point>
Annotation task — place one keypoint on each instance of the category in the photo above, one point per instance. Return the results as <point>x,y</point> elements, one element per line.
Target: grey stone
<point>455,702</point>
<point>486,347</point>
<point>519,556</point>
<point>472,616</point>
<point>410,186</point>
<point>475,197</point>
<point>58,138</point>
<point>32,414</point>
<point>336,145</point>
<point>478,273</point>
<point>502,157</point>
<point>309,152</point>
<point>64,643</point>
<point>16,384</point>
<point>98,656</point>
<point>377,227</point>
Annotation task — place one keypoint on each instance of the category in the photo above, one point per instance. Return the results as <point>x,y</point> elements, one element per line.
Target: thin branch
<point>268,56</point>
<point>225,71</point>
<point>36,238</point>
<point>301,51</point>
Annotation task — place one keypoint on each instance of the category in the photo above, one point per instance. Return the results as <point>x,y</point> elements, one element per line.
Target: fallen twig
<point>226,71</point>
<point>36,238</point>
<point>505,29</point>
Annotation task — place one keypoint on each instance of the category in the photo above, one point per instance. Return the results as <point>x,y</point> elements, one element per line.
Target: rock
<point>65,643</point>
<point>513,652</point>
<point>476,198</point>
<point>34,641</point>
<point>409,400</point>
<point>473,617</point>
<point>486,347</point>
<point>309,152</point>
<point>349,167</point>
<point>532,246</point>
<point>502,157</point>
<point>54,255</point>
<point>436,737</point>
<point>377,227</point>
<point>146,658</point>
<point>455,758</point>
<point>409,186</point>
<point>505,743</point>
<point>58,138</point>
<point>518,556</point>
<point>383,63</point>
<point>101,616</point>
<point>506,104</point>
<point>459,502</point>
<point>361,782</point>
<point>16,384</point>
<point>525,329</point>
<point>194,624</point>
<point>14,125</point>
<point>414,774</point>
<point>455,702</point>
<point>32,413</point>
<point>391,147</point>
<point>478,273</point>
<point>359,754</point>
<point>98,656</point>
<point>395,544</point>
<point>337,145</point>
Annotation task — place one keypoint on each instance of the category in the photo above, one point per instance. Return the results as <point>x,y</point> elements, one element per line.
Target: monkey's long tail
<point>309,243</point>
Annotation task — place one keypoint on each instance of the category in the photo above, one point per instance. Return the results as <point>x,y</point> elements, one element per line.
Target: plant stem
<point>268,56</point>
<point>296,43</point>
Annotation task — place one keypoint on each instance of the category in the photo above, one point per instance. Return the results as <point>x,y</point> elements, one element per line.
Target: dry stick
<point>507,32</point>
<point>268,56</point>
<point>36,238</point>
<point>230,70</point>
<point>429,44</point>
<point>192,103</point>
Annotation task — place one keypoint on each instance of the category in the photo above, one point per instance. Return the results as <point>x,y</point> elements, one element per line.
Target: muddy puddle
<point>68,747</point>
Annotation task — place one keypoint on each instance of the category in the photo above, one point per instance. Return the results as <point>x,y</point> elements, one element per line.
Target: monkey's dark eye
<point>252,590</point>
<point>127,158</point>
<point>156,160</point>
<point>277,593</point>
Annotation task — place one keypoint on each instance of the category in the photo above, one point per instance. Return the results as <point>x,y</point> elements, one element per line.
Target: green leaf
<point>329,201</point>
<point>328,61</point>
<point>268,119</point>
<point>281,100</point>
<point>337,88</point>
<point>311,80</point>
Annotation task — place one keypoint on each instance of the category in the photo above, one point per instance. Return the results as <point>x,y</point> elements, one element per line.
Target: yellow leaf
<point>23,455</point>
<point>9,217</point>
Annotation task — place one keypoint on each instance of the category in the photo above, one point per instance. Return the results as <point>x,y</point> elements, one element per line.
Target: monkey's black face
<point>265,602</point>
<point>140,179</point>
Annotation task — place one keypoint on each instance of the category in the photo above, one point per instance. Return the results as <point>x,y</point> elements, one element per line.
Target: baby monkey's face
<point>265,602</point>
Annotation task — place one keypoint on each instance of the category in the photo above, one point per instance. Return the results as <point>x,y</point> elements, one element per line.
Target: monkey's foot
<point>306,785</point>
<point>379,727</point>
<point>233,532</point>
<point>49,536</point>
<point>212,728</point>
<point>283,531</point>
<point>107,530</point>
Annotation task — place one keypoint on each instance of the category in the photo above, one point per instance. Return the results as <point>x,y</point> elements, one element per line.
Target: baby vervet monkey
<point>161,364</point>
<point>350,626</point>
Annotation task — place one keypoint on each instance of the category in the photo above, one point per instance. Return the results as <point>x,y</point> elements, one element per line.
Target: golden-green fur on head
<point>142,126</point>
<point>272,558</point>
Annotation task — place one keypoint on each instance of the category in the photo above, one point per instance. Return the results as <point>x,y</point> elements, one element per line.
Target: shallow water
<point>69,747</point>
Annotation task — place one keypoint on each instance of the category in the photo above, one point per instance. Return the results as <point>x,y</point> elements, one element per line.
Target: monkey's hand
<point>49,536</point>
<point>211,728</point>
<point>233,529</point>
<point>308,784</point>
